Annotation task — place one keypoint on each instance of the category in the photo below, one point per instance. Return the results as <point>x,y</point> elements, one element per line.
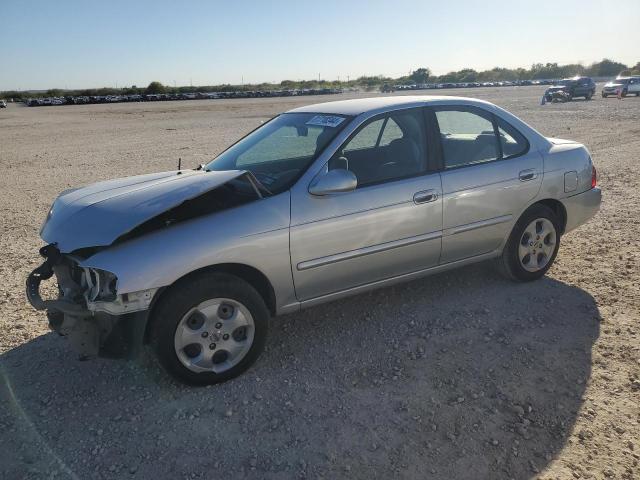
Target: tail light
<point>594,177</point>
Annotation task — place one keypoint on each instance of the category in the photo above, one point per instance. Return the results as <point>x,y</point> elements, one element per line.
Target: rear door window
<point>471,136</point>
<point>467,136</point>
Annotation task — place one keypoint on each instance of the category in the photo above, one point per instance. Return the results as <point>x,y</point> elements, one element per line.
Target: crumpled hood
<point>98,214</point>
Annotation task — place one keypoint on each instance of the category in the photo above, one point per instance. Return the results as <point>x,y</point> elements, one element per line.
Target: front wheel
<point>532,246</point>
<point>588,96</point>
<point>210,328</point>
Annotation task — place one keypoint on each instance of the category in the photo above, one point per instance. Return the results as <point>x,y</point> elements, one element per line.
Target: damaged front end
<point>88,309</point>
<point>88,222</point>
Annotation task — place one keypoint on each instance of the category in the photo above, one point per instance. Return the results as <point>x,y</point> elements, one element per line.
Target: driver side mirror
<point>334,181</point>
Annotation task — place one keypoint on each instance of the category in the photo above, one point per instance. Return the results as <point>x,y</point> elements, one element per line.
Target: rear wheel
<point>604,95</point>
<point>588,96</point>
<point>210,328</point>
<point>624,92</point>
<point>532,246</point>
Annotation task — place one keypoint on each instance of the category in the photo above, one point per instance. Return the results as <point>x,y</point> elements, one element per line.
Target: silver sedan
<point>320,202</point>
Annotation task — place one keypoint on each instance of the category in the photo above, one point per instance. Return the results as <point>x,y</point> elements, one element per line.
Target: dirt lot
<point>463,375</point>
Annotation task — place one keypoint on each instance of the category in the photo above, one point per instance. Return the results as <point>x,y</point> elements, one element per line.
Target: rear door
<point>390,225</point>
<point>489,175</point>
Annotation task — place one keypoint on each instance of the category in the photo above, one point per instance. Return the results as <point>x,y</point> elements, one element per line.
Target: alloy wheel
<point>537,244</point>
<point>214,336</point>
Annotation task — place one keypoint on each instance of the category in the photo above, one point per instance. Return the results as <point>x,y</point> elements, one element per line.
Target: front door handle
<point>425,196</point>
<point>526,175</point>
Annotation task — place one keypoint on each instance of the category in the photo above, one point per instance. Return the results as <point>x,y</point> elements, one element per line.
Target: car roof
<point>361,105</point>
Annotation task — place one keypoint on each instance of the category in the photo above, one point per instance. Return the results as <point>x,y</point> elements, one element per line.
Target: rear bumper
<point>581,207</point>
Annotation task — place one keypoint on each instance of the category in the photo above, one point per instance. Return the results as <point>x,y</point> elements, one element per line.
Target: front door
<point>489,176</point>
<point>390,225</point>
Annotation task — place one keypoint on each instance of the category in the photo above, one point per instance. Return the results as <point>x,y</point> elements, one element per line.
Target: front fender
<point>254,234</point>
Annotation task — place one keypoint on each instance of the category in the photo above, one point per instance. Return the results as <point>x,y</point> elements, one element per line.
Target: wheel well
<point>252,276</point>
<point>558,209</point>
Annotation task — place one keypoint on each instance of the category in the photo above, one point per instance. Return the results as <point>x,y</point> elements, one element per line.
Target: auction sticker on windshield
<point>326,120</point>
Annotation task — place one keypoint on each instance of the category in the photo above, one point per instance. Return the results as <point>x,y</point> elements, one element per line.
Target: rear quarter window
<point>513,143</point>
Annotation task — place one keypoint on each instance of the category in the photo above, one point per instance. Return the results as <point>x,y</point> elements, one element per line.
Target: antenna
<point>179,165</point>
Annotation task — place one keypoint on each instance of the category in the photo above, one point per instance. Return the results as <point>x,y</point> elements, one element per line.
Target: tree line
<point>538,71</point>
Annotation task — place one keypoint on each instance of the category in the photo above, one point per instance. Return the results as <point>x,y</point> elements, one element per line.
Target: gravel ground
<point>460,375</point>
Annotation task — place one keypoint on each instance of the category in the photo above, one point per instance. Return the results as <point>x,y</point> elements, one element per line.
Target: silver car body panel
<point>254,234</point>
<point>314,249</point>
<point>349,239</point>
<point>482,201</point>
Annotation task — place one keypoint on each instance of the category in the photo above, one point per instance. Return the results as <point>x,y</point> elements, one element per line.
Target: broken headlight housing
<point>101,294</point>
<point>99,285</point>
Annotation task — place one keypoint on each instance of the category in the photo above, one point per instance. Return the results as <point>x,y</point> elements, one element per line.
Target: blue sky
<point>74,44</point>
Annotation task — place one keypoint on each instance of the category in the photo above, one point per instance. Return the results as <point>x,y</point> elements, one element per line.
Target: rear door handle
<point>526,175</point>
<point>425,196</point>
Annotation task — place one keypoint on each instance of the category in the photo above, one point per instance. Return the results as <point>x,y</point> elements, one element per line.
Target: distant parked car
<point>3,104</point>
<point>574,87</point>
<point>318,203</point>
<point>626,85</point>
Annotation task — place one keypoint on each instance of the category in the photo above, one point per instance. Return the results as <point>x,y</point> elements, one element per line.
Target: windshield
<point>279,152</point>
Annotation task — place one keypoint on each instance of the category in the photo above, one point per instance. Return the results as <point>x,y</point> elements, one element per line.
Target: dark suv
<point>574,87</point>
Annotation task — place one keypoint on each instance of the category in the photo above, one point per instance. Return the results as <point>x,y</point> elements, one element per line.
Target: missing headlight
<point>100,285</point>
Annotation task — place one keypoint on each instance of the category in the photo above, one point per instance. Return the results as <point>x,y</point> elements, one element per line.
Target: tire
<point>191,344</point>
<point>604,95</point>
<point>511,262</point>
<point>587,96</point>
<point>624,92</point>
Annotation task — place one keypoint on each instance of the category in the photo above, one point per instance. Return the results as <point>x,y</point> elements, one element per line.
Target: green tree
<point>155,87</point>
<point>420,75</point>
<point>606,68</point>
